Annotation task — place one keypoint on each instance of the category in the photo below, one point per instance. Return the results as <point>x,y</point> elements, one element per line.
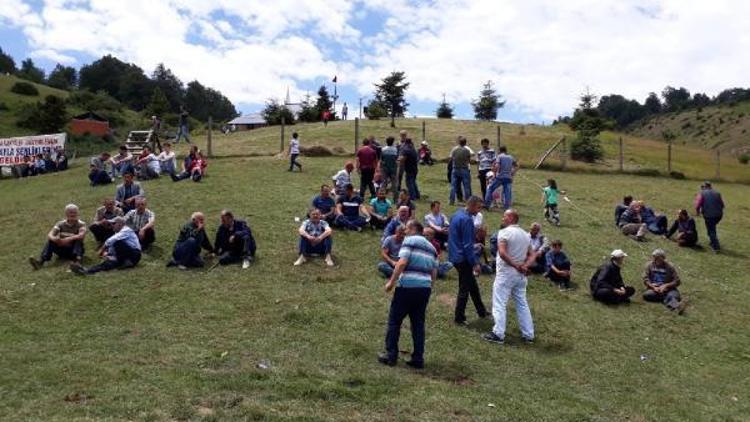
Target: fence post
<point>718,164</point>
<point>621,156</point>
<point>498,137</point>
<point>424,130</point>
<point>356,134</point>
<point>281,147</point>
<point>209,139</point>
<point>564,153</point>
<point>669,156</point>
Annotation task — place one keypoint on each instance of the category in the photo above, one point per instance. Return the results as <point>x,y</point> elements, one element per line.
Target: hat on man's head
<point>618,253</point>
<point>659,252</point>
<point>706,184</point>
<point>424,143</point>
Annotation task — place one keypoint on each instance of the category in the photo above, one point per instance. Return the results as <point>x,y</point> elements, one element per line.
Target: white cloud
<point>541,54</point>
<point>53,56</point>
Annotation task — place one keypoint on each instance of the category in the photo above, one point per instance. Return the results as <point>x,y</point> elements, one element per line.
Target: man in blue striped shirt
<point>412,278</point>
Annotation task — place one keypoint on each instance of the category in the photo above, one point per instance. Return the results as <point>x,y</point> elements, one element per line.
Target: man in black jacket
<point>234,241</point>
<point>606,283</point>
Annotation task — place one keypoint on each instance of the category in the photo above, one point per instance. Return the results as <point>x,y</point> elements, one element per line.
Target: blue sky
<point>540,55</point>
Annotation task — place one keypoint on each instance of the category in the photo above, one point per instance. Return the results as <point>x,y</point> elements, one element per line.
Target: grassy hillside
<point>160,344</point>
<point>726,128</point>
<point>526,142</point>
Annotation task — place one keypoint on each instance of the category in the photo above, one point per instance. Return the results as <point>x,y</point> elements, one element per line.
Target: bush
<point>586,149</point>
<point>744,158</point>
<point>88,144</point>
<point>4,107</point>
<point>375,111</point>
<point>24,88</point>
<point>677,175</point>
<point>646,172</point>
<point>47,117</point>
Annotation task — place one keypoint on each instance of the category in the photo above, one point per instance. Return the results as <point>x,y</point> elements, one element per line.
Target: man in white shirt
<point>294,152</point>
<point>514,256</point>
<point>148,165</point>
<point>343,178</point>
<point>167,159</point>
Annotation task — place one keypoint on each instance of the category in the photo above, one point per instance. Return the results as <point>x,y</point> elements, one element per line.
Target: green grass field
<point>159,344</point>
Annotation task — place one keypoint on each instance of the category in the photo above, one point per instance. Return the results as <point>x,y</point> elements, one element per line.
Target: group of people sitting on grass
<point>104,169</point>
<point>42,163</point>
<point>636,219</point>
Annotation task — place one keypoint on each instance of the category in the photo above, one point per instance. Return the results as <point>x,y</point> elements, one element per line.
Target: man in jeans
<point>631,223</point>
<point>410,163</point>
<point>461,254</point>
<point>514,256</point>
<point>64,240</point>
<point>366,162</point>
<point>389,167</point>
<point>661,281</point>
<point>461,175</point>
<point>485,158</point>
<point>413,278</point>
<point>183,130</point>
<point>122,250</point>
<point>505,168</point>
<point>709,204</point>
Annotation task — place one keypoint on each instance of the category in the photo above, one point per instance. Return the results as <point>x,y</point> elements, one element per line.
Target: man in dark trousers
<point>412,278</point>
<point>121,250</point>
<point>188,246</point>
<point>461,254</point>
<point>366,163</point>
<point>183,131</point>
<point>606,283</point>
<point>410,163</point>
<point>234,241</point>
<point>710,205</point>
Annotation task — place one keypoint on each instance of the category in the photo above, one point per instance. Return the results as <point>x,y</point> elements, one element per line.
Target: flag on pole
<point>335,78</point>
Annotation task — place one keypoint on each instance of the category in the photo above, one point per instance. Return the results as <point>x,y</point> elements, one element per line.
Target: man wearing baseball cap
<point>661,281</point>
<point>606,283</point>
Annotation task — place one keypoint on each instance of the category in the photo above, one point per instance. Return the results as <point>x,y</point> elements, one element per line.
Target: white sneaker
<point>245,264</point>
<point>329,261</point>
<point>301,260</point>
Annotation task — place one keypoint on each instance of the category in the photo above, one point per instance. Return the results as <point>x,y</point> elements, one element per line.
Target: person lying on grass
<point>122,250</point>
<point>64,240</point>
<point>315,239</point>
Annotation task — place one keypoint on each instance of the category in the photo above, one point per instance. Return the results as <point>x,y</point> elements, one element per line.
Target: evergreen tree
<point>63,77</point>
<point>486,107</point>
<point>274,111</point>
<point>652,105</point>
<point>170,85</point>
<point>7,64</point>
<point>588,123</point>
<point>375,111</point>
<point>675,99</point>
<point>444,110</point>
<point>30,72</point>
<point>323,103</point>
<point>390,96</point>
<point>159,105</point>
<point>308,111</point>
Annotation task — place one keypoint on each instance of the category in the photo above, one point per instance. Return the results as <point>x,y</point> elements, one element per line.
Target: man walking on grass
<point>709,204</point>
<point>412,279</point>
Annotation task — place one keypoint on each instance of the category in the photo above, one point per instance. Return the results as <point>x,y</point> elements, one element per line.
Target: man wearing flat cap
<point>661,281</point>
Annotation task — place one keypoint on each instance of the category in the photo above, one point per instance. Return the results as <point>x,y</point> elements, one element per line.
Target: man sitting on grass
<point>443,266</point>
<point>64,240</point>
<point>684,226</point>
<point>606,284</point>
<point>142,220</point>
<point>122,250</point>
<point>401,218</point>
<point>539,247</point>
<point>343,178</point>
<point>101,228</point>
<point>405,201</point>
<point>655,222</point>
<point>349,209</point>
<point>148,165</point>
<point>380,210</point>
<point>315,239</point>
<point>127,192</point>
<point>326,204</point>
<point>98,174</point>
<point>389,251</point>
<point>631,223</point>
<point>123,162</point>
<point>187,248</point>
<point>558,265</point>
<point>661,281</point>
<point>620,208</point>
<point>195,171</point>
<point>234,241</point>
<point>439,224</point>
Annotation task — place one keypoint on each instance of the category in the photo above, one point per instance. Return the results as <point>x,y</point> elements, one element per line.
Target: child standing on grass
<point>294,152</point>
<point>549,199</point>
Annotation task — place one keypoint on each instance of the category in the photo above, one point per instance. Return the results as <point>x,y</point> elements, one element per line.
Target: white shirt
<point>478,220</point>
<point>167,156</point>
<point>294,146</point>
<point>516,246</point>
<point>153,163</point>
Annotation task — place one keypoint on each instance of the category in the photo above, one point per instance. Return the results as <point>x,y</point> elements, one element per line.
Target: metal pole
<point>209,141</point>
<point>669,156</point>
<point>621,156</point>
<point>424,130</point>
<point>718,164</point>
<point>356,134</point>
<point>564,153</point>
<point>281,147</point>
<point>498,137</point>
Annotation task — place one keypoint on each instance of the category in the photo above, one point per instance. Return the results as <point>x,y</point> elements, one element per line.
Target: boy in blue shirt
<point>558,265</point>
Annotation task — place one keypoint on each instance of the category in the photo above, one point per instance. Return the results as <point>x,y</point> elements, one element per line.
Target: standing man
<point>142,220</point>
<point>294,152</point>
<point>192,238</point>
<point>367,162</point>
<point>412,278</point>
<point>64,240</point>
<point>101,228</point>
<point>183,130</point>
<point>410,163</point>
<point>122,250</point>
<point>127,192</point>
<point>389,166</point>
<point>461,176</point>
<point>402,136</point>
<point>505,168</point>
<point>461,254</point>
<point>234,241</point>
<point>709,204</point>
<point>606,284</point>
<point>661,281</point>
<point>514,256</point>
<point>485,158</point>
<point>344,111</point>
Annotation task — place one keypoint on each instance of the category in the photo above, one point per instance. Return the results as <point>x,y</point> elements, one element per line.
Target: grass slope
<point>14,102</point>
<point>159,344</point>
<point>717,127</point>
<point>526,142</point>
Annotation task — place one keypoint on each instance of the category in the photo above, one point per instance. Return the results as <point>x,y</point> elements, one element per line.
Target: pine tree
<point>323,103</point>
<point>445,110</point>
<point>158,105</point>
<point>389,95</point>
<point>63,77</point>
<point>308,112</point>
<point>588,123</point>
<point>7,64</point>
<point>30,72</point>
<point>486,107</point>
